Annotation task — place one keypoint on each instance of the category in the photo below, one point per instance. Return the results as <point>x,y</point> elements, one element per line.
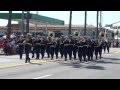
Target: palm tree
<point>70,20</point>
<point>85,23</point>
<point>9,24</point>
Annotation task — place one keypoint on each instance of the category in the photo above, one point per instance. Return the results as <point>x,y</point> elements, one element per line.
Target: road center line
<point>43,76</point>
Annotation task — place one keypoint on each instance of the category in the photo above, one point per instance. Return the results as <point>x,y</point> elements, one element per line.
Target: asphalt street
<point>106,68</point>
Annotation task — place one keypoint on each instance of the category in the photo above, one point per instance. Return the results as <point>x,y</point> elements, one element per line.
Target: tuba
<point>101,34</point>
<point>51,34</point>
<point>76,33</point>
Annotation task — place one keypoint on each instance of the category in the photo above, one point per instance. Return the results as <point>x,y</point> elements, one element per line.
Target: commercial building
<point>48,24</point>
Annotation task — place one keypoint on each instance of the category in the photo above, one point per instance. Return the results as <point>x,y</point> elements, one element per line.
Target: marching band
<point>82,47</point>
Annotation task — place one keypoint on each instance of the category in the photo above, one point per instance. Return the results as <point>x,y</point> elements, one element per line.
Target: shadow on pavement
<point>112,58</point>
<point>102,61</point>
<point>90,64</point>
<point>95,67</point>
<point>75,64</point>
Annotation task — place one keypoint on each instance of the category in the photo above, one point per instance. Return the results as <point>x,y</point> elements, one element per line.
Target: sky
<point>108,17</point>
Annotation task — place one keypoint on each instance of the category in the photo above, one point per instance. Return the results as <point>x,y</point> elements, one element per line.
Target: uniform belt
<point>70,44</point>
<point>66,45</point>
<point>80,46</point>
<point>42,44</point>
<point>75,45</point>
<point>20,43</point>
<point>52,46</point>
<point>85,45</point>
<point>28,43</point>
<point>96,46</point>
<point>37,43</point>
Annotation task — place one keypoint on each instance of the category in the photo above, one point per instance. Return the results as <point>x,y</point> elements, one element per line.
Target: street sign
<point>115,27</point>
<point>108,25</point>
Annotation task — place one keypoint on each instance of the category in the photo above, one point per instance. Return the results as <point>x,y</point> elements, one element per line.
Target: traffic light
<point>112,35</point>
<point>93,33</point>
<point>117,32</point>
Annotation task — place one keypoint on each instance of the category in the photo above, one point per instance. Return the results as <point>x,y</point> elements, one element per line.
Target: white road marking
<point>43,76</point>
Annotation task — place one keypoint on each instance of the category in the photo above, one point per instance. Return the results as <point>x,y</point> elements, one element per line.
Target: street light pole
<point>85,24</point>
<point>36,25</point>
<point>22,23</point>
<point>100,20</point>
<point>27,26</point>
<point>97,32</point>
<point>9,24</point>
<point>70,21</point>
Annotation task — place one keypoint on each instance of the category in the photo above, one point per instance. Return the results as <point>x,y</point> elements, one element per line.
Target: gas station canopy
<point>33,18</point>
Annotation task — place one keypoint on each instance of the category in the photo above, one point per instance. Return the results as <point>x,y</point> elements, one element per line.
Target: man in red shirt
<point>4,46</point>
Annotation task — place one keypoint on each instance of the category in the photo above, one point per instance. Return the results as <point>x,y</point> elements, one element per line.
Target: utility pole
<point>9,24</point>
<point>85,24</point>
<point>97,31</point>
<point>70,21</point>
<point>27,21</point>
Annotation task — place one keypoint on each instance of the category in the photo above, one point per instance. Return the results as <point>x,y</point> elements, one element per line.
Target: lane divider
<point>43,76</point>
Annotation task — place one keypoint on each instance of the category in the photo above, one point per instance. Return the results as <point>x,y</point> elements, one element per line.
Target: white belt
<point>80,46</point>
<point>52,46</point>
<point>42,44</point>
<point>20,43</point>
<point>66,44</point>
<point>85,45</point>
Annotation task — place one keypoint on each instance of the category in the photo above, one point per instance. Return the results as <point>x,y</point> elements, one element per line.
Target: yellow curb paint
<point>22,64</point>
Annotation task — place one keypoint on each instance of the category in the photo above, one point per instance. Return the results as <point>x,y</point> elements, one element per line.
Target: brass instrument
<point>51,34</point>
<point>76,33</point>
